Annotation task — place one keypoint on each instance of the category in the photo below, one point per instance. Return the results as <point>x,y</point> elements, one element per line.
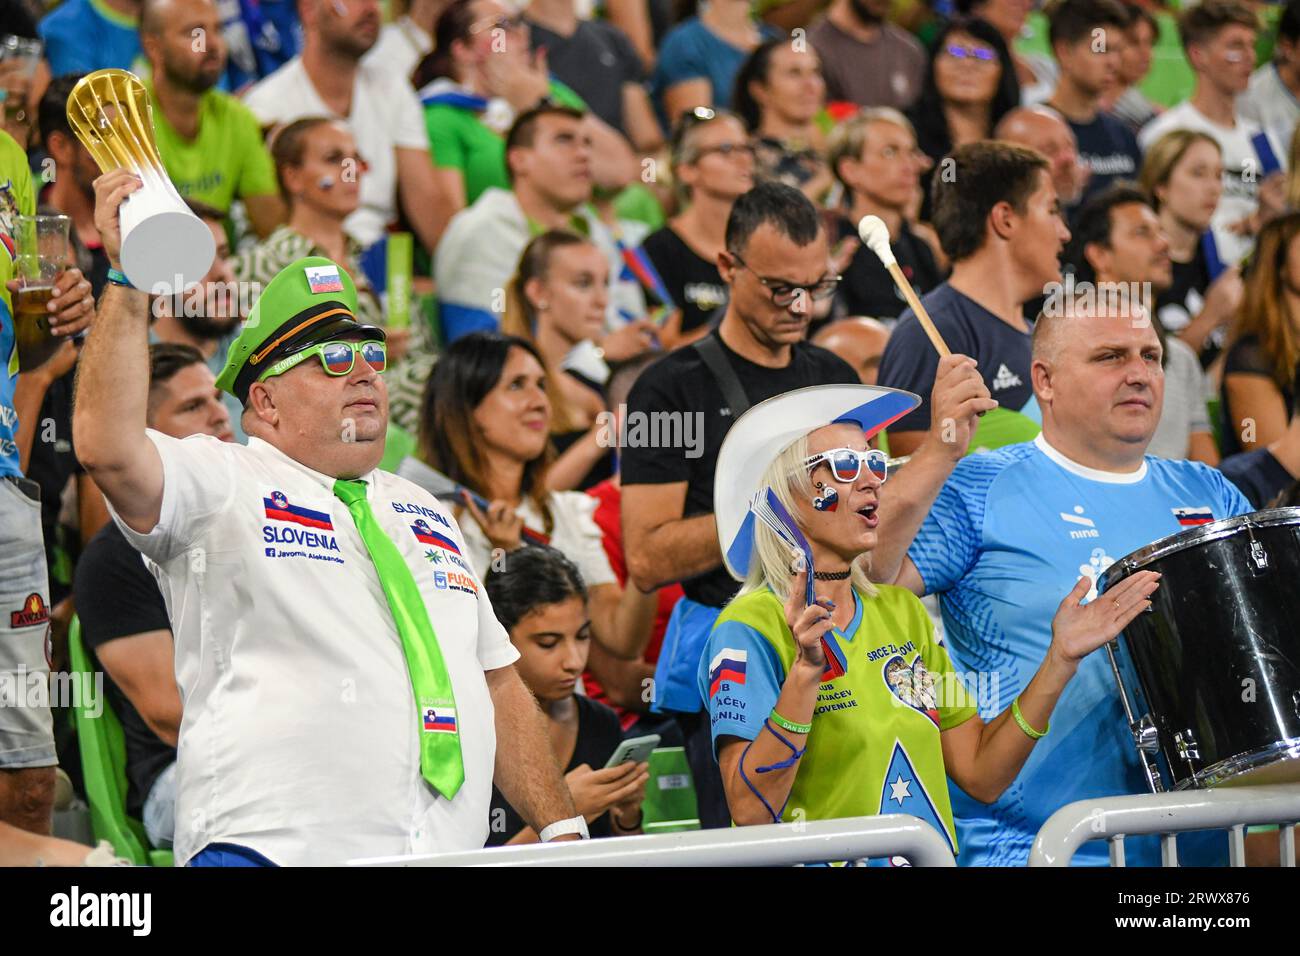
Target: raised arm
<point>108,422</point>
<point>29,395</point>
<point>959,396</point>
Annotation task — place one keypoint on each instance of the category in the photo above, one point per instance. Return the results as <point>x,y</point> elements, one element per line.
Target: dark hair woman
<point>539,598</point>
<point>779,93</point>
<point>478,78</point>
<point>485,422</point>
<point>969,86</point>
<point>1264,344</point>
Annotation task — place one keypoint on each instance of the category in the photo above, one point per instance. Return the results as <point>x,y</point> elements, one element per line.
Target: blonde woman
<point>848,706</point>
<point>1182,172</point>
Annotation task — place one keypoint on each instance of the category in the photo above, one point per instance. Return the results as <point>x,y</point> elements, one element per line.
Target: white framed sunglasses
<point>846,463</point>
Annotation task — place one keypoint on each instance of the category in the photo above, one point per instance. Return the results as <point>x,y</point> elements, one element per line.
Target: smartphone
<point>636,750</point>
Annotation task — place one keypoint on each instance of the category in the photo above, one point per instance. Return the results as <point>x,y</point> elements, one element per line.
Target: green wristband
<point>1024,724</point>
<point>790,725</point>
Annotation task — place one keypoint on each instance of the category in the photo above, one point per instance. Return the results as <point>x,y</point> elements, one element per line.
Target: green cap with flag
<point>312,300</point>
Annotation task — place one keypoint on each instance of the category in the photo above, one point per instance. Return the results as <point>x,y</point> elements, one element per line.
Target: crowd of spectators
<point>636,209</point>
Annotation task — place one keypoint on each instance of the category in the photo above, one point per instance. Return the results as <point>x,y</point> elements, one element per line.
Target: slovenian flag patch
<point>439,720</point>
<point>277,508</point>
<point>426,535</point>
<point>728,666</point>
<point>1191,517</point>
<point>323,279</point>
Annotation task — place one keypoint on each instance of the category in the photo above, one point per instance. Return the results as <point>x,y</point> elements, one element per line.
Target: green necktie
<point>440,760</point>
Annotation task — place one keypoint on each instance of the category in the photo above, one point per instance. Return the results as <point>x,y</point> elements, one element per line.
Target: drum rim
<point>1225,770</point>
<point>1181,540</point>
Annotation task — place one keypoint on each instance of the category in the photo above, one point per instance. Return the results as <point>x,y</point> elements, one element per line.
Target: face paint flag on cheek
<point>828,500</point>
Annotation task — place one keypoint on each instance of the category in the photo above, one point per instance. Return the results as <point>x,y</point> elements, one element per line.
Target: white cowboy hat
<point>766,430</point>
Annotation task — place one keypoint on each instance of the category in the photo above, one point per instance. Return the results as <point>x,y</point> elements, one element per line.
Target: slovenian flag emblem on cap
<point>323,279</point>
<point>440,720</point>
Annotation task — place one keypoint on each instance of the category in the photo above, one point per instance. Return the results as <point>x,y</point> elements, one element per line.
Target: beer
<point>43,253</point>
<point>31,318</point>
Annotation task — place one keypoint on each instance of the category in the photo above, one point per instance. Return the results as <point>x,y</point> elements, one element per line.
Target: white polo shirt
<point>300,735</point>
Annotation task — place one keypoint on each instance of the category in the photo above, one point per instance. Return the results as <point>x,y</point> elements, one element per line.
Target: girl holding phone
<point>539,597</point>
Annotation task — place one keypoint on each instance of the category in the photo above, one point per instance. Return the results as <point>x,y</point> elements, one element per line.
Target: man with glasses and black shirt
<point>775,265</point>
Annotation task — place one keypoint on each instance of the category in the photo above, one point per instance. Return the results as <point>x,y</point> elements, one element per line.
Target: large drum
<point>1210,676</point>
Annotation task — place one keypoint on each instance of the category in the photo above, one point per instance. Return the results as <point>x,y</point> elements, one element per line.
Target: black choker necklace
<point>831,575</point>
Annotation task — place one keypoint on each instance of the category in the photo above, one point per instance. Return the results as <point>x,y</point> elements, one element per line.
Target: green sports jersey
<point>874,746</point>
<point>459,139</point>
<point>226,161</point>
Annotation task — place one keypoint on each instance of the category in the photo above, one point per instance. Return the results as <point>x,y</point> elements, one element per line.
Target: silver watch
<point>576,825</point>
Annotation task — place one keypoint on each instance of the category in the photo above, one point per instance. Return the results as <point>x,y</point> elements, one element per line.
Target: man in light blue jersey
<point>1001,537</point>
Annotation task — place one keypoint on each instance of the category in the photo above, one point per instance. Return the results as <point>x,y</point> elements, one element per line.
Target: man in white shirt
<point>408,39</point>
<point>325,716</point>
<point>549,161</point>
<point>1273,98</point>
<point>1219,41</point>
<point>331,79</point>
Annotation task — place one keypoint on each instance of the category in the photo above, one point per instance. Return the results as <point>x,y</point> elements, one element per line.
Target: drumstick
<point>875,236</point>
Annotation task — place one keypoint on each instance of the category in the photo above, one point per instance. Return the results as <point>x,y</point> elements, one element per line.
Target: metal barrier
<point>776,844</point>
<point>1113,818</point>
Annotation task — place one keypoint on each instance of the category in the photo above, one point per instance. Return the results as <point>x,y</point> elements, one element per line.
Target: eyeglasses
<point>726,149</point>
<point>784,293</point>
<point>337,358</point>
<point>846,463</point>
<point>497,23</point>
<point>959,52</point>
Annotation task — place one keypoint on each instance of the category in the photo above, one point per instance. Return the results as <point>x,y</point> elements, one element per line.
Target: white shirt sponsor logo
<point>1087,528</point>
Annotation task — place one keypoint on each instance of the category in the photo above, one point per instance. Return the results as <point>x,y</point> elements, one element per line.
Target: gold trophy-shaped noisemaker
<point>165,247</point>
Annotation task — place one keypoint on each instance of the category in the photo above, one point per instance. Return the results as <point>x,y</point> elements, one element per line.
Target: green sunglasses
<point>337,358</point>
